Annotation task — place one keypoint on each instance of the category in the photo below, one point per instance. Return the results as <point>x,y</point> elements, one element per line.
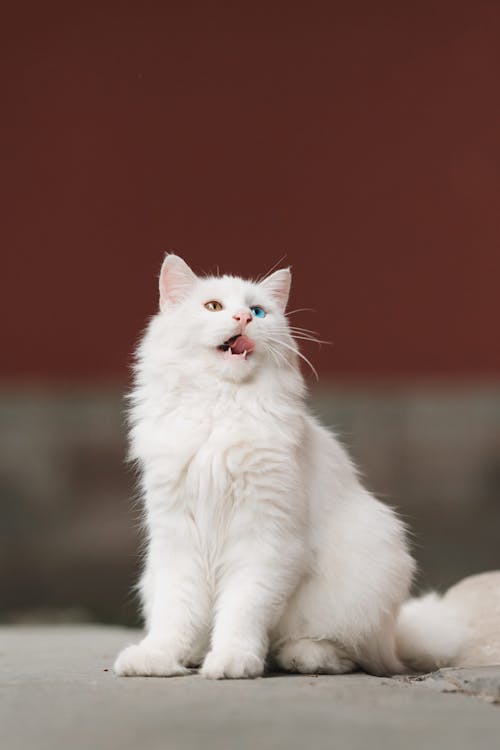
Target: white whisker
<point>300,309</point>
<point>259,279</point>
<point>311,340</point>
<point>276,353</point>
<point>302,334</point>
<point>303,330</point>
<point>302,356</point>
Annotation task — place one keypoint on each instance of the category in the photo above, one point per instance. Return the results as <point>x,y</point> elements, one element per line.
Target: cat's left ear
<point>278,284</point>
<point>176,279</point>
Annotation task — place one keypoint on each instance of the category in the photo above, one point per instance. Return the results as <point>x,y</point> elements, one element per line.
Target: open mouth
<point>238,346</point>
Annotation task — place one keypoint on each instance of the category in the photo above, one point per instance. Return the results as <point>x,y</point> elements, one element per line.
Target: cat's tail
<point>430,633</point>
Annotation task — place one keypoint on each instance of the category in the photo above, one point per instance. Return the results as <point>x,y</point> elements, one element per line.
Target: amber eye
<point>213,305</point>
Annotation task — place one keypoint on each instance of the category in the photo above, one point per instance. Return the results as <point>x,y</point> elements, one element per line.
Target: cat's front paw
<point>143,660</point>
<point>231,664</point>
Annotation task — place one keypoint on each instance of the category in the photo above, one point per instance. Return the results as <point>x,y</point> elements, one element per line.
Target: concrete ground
<point>58,692</point>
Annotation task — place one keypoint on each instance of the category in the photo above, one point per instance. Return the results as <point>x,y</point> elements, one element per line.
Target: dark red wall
<point>362,139</point>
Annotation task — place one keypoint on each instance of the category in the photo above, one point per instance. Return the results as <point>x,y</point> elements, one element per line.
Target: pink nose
<point>243,317</point>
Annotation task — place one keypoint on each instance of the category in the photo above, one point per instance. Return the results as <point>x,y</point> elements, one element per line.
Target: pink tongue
<point>241,344</point>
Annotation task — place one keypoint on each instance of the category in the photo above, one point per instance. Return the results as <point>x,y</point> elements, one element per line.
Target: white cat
<point>262,545</point>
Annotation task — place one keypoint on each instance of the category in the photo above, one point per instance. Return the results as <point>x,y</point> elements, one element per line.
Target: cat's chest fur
<point>204,443</point>
<point>211,454</point>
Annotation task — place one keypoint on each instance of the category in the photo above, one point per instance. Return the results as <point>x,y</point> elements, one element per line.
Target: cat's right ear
<point>176,279</point>
<point>278,284</point>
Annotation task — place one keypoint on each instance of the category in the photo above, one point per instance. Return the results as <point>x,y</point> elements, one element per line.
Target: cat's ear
<point>278,284</point>
<point>176,279</point>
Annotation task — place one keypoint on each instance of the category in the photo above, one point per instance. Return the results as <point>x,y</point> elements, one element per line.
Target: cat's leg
<point>309,656</point>
<point>361,568</point>
<point>258,577</point>
<point>176,604</point>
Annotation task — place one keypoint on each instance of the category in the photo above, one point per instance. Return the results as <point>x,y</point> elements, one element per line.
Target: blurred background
<point>358,142</point>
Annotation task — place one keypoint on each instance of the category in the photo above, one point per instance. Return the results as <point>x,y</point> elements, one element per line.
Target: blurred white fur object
<point>476,600</point>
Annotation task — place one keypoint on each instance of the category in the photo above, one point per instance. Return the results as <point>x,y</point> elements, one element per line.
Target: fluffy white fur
<point>262,544</point>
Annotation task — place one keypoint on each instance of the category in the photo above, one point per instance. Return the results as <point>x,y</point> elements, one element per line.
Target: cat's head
<point>226,325</point>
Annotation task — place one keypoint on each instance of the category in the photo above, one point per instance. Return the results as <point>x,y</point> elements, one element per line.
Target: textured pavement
<point>57,691</point>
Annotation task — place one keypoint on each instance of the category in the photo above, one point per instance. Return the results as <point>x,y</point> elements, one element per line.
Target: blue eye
<point>258,312</point>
